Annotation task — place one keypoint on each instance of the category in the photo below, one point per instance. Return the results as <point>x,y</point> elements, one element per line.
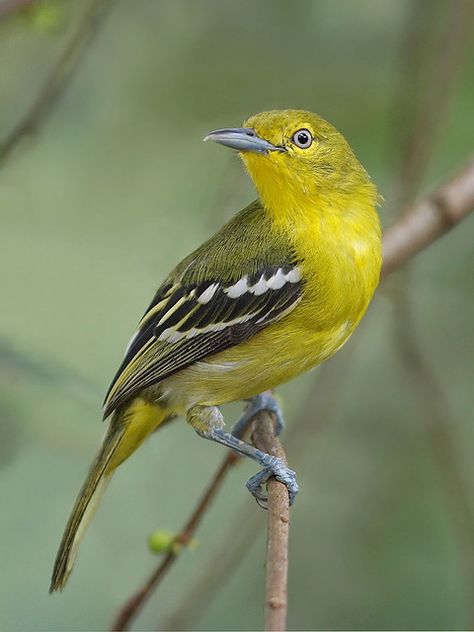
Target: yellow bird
<point>276,291</point>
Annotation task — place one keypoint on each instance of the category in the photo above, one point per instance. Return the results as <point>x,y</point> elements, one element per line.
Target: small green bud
<point>164,541</point>
<point>161,541</point>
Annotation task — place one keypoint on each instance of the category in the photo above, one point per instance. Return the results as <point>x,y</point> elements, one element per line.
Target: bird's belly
<point>310,334</point>
<point>272,357</point>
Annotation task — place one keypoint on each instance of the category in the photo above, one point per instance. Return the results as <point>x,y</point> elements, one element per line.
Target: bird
<point>275,292</point>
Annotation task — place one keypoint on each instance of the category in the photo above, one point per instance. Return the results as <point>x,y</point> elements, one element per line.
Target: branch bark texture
<point>427,220</point>
<point>278,529</point>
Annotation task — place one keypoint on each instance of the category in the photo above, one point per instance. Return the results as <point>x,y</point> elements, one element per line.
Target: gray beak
<point>242,139</point>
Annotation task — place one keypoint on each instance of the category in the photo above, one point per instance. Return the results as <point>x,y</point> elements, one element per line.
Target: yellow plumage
<point>274,293</point>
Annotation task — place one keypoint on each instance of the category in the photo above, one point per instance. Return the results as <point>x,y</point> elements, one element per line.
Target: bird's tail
<point>127,429</point>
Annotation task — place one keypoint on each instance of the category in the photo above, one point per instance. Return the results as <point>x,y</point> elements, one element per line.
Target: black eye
<point>302,138</point>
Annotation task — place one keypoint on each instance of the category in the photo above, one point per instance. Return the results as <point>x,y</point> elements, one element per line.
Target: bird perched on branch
<point>276,291</point>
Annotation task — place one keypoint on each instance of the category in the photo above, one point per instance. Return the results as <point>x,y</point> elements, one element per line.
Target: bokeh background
<point>114,187</point>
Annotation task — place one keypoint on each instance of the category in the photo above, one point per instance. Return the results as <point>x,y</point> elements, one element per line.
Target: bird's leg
<point>257,404</point>
<point>208,422</point>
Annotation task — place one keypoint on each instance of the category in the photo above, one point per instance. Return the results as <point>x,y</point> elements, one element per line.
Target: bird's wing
<point>188,321</point>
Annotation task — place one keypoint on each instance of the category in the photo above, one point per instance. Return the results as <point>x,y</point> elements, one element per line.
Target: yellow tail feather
<point>126,432</point>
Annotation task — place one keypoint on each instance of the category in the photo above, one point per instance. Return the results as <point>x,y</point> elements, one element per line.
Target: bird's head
<point>293,156</point>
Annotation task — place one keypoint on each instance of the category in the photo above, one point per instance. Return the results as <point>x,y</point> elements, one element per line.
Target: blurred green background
<point>113,189</point>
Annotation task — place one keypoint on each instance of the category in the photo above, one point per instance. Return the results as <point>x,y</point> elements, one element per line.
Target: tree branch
<point>10,7</point>
<point>278,529</point>
<point>133,606</point>
<point>429,219</point>
<point>57,78</point>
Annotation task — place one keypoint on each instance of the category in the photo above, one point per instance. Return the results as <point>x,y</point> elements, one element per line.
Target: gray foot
<point>256,405</point>
<point>281,472</point>
<point>208,422</point>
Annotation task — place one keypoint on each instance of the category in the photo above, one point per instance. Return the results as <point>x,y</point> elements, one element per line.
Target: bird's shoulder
<point>244,245</point>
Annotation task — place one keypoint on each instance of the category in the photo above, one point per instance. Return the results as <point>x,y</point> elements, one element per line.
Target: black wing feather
<point>229,321</point>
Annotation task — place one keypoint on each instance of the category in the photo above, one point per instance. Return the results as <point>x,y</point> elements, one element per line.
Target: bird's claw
<point>267,402</point>
<point>257,404</point>
<point>282,473</point>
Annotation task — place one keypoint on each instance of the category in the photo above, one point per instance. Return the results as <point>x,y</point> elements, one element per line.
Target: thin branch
<point>134,605</point>
<point>57,78</point>
<point>278,529</point>
<point>426,221</point>
<point>218,570</point>
<point>10,7</point>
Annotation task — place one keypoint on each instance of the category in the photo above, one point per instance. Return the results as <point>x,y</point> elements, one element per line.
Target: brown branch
<point>218,570</point>
<point>416,230</point>
<point>57,78</point>
<point>429,219</point>
<point>133,606</point>
<point>10,7</point>
<point>278,529</point>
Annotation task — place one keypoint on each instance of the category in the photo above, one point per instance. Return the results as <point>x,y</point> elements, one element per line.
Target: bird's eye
<point>303,139</point>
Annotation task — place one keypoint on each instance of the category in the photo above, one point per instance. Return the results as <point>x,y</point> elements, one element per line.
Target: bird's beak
<point>242,139</point>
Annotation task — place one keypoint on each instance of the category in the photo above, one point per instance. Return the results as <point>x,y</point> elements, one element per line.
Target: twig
<point>278,529</point>
<point>56,80</point>
<point>10,7</point>
<point>427,220</point>
<point>218,570</point>
<point>133,606</point>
